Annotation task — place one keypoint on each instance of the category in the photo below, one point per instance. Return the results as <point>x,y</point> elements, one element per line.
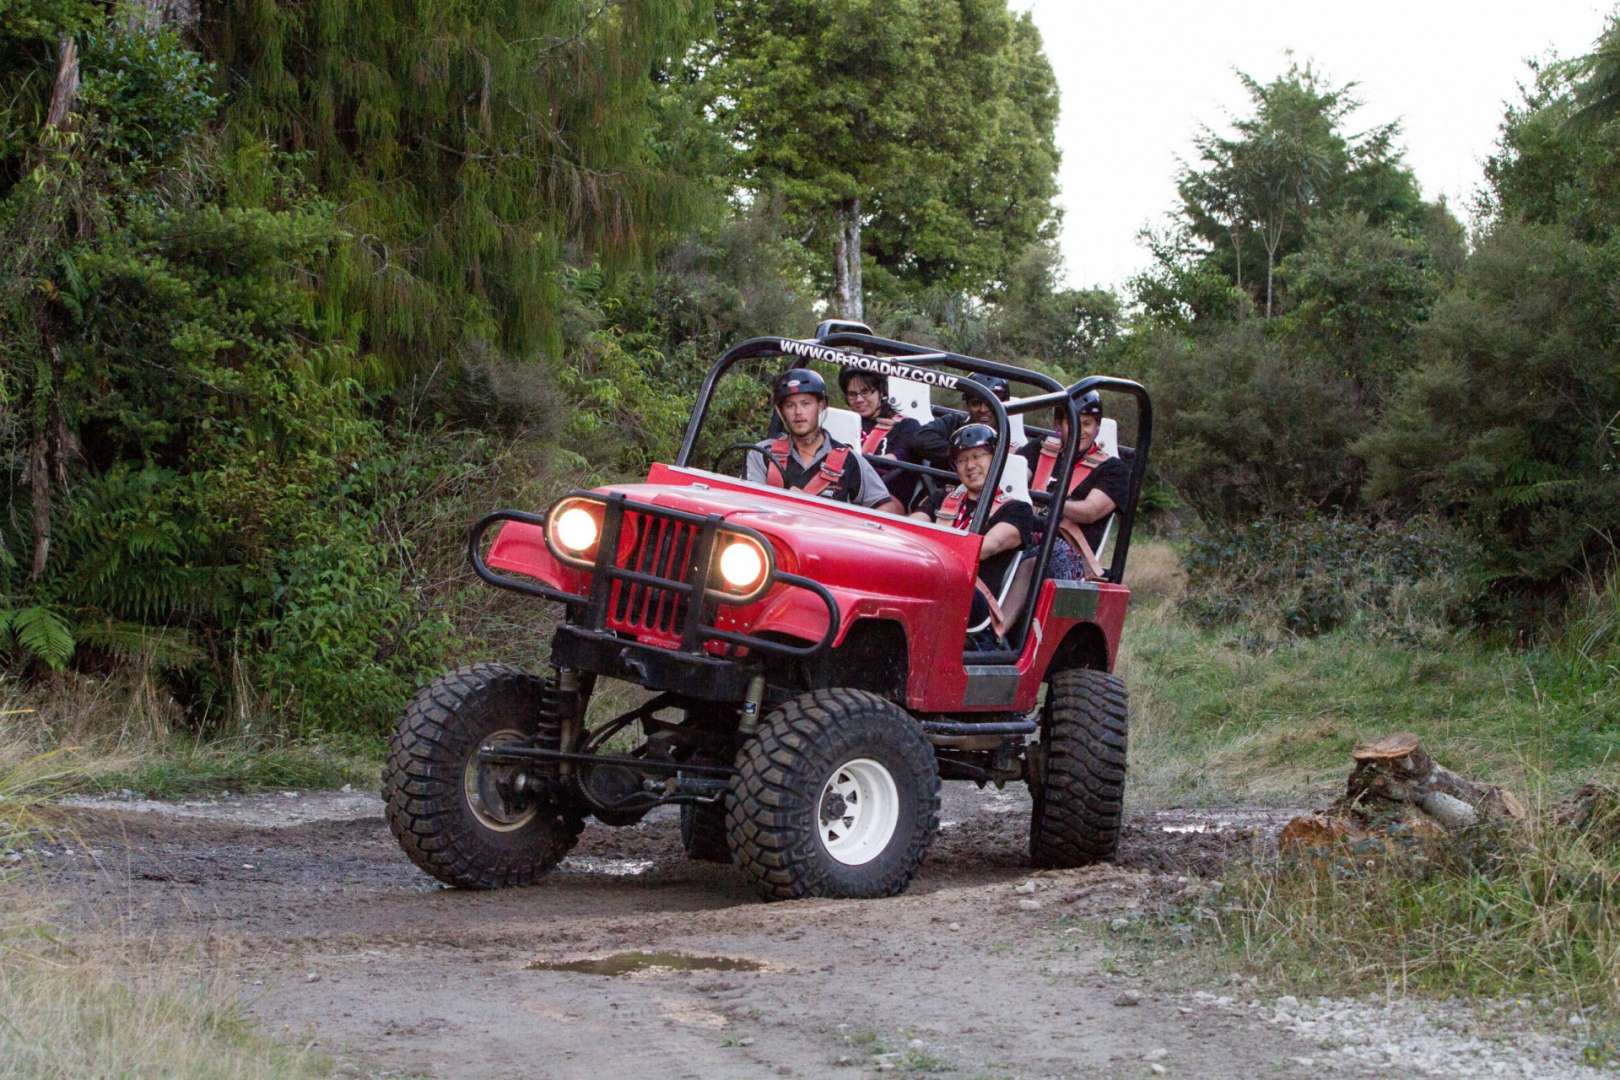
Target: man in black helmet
<point>934,438</point>
<point>1008,529</point>
<point>1098,485</point>
<point>806,457</point>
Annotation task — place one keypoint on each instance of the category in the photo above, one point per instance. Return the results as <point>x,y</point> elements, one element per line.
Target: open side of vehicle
<point>807,684</point>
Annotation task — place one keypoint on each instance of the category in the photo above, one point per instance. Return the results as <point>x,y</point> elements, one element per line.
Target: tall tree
<point>1286,162</point>
<point>919,133</point>
<point>472,148</point>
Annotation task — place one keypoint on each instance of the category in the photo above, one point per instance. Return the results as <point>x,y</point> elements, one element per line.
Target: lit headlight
<point>576,529</point>
<point>742,564</point>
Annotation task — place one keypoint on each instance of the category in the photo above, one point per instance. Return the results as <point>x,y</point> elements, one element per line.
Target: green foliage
<point>470,147</point>
<point>1357,294</point>
<point>1246,203</point>
<point>1311,575</point>
<point>929,125</point>
<point>1244,430</point>
<point>38,632</point>
<point>1507,425</point>
<point>148,91</point>
<point>225,517</point>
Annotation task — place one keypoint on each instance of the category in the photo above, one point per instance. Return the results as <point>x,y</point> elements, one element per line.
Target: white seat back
<point>1015,431</point>
<point>1015,478</point>
<point>910,398</point>
<point>1108,436</point>
<point>843,425</point>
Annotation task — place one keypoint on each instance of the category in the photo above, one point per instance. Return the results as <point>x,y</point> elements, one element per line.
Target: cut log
<point>1395,783</point>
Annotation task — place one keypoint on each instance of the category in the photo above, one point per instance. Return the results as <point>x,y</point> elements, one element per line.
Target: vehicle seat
<point>1015,430</point>
<point>1015,478</point>
<point>910,398</point>
<point>1108,436</point>
<point>1020,567</point>
<point>843,425</point>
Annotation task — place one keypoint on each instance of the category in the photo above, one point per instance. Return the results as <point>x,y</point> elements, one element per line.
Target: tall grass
<point>1229,712</point>
<point>1529,911</point>
<point>77,1009</point>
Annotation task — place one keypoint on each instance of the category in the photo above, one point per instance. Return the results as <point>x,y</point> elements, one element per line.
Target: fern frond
<point>44,633</point>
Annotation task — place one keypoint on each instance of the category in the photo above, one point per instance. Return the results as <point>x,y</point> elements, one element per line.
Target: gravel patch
<point>270,810</point>
<point>1417,1038</point>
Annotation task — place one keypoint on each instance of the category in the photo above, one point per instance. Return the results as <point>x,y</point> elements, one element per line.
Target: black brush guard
<point>680,595</point>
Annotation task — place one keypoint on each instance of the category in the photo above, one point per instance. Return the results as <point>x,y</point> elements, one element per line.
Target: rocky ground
<point>631,959</point>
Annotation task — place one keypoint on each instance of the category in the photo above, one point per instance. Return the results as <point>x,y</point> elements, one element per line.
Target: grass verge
<point>1530,911</point>
<point>1222,715</point>
<point>70,1010</point>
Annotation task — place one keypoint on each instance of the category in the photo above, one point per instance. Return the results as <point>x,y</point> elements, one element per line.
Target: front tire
<point>456,819</point>
<point>1080,795</point>
<point>837,795</point>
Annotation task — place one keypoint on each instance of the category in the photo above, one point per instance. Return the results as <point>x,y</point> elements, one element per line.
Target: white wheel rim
<point>479,785</point>
<point>858,812</point>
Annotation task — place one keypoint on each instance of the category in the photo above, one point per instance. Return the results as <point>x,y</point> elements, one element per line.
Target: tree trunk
<point>1270,260</point>
<point>65,91</point>
<point>857,293</point>
<point>841,296</point>
<point>847,291</point>
<point>42,462</point>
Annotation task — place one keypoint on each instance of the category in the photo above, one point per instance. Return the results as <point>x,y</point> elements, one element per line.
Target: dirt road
<point>333,936</point>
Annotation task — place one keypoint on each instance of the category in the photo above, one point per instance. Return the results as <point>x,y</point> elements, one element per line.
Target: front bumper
<point>710,678</point>
<point>601,633</point>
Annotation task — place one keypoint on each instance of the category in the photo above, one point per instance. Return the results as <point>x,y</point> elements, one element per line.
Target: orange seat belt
<point>1050,448</point>
<point>873,442</point>
<point>831,471</point>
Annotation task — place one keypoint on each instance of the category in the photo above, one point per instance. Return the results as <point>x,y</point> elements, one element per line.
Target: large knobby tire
<point>1080,799</point>
<point>836,795</point>
<point>703,832</point>
<point>444,809</point>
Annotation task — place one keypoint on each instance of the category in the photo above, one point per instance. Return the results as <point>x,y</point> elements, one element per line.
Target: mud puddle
<point>648,963</point>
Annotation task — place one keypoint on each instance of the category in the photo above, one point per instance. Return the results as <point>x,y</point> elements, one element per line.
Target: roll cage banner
<point>921,364</point>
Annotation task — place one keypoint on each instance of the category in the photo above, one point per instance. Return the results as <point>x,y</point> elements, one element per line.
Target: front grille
<point>664,548</point>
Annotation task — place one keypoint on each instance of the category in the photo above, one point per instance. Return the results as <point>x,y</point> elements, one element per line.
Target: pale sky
<point>1138,78</point>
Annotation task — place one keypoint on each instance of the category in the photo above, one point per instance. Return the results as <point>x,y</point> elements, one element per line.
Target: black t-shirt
<point>1113,477</point>
<point>899,444</point>
<point>1015,512</point>
<point>932,442</point>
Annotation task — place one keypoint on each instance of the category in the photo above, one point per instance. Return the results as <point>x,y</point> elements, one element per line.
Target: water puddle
<point>590,864</point>
<point>647,963</point>
<point>1197,826</point>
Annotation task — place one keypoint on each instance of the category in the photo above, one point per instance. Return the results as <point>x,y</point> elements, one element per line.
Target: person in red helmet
<point>1098,486</point>
<point>807,458</point>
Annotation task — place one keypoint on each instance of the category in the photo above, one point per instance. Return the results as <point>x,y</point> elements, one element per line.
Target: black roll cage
<point>829,345</point>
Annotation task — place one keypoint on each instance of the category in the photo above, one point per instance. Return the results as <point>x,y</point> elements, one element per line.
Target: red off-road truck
<point>805,658</point>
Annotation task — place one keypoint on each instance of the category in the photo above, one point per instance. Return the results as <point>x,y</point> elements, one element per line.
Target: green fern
<point>41,633</point>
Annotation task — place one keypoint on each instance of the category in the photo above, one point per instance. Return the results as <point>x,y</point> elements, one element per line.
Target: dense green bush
<point>1307,576</point>
<point>1245,429</point>
<point>215,503</point>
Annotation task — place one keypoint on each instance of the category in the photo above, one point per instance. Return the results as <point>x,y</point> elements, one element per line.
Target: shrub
<point>1308,576</point>
<point>1246,430</point>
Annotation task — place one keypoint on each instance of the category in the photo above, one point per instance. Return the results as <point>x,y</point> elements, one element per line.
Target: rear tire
<point>448,813</point>
<point>1080,798</point>
<point>703,832</point>
<point>836,795</point>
